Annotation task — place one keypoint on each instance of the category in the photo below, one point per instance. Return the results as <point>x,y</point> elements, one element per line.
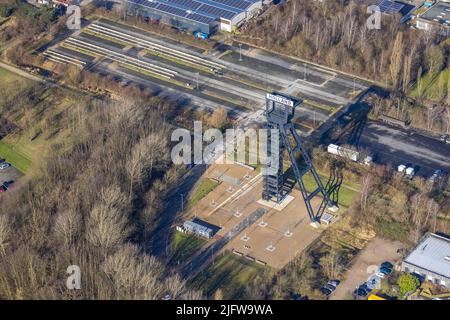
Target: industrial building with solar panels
<point>205,16</point>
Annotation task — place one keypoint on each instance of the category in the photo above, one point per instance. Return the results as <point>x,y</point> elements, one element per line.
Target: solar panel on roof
<point>188,4</point>
<point>217,12</point>
<point>169,9</point>
<point>390,7</point>
<point>145,3</point>
<point>205,11</point>
<point>200,18</point>
<point>239,4</point>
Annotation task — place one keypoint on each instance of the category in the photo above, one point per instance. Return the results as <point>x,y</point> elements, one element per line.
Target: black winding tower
<point>279,111</point>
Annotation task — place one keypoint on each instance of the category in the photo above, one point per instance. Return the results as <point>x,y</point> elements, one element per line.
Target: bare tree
<point>417,208</point>
<point>447,115</point>
<point>365,192</point>
<point>396,59</point>
<point>432,212</point>
<point>175,286</point>
<point>67,226</point>
<point>147,153</point>
<point>112,197</point>
<point>134,274</point>
<point>107,227</point>
<point>5,232</point>
<point>330,264</point>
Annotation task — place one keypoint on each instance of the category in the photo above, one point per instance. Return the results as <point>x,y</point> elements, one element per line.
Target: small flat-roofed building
<point>437,16</point>
<point>198,229</point>
<point>430,259</point>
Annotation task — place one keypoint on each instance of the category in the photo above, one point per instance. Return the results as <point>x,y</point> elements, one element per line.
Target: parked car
<point>387,264</point>
<point>330,287</point>
<point>7,184</point>
<point>362,291</point>
<point>326,291</point>
<point>436,175</point>
<point>334,282</point>
<point>167,297</point>
<point>4,165</point>
<point>373,282</point>
<point>386,271</point>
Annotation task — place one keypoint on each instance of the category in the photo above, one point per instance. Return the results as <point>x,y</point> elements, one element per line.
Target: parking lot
<point>397,146</point>
<point>366,263</point>
<point>9,174</point>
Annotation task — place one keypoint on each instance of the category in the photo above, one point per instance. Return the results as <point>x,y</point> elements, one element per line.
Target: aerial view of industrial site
<point>217,158</point>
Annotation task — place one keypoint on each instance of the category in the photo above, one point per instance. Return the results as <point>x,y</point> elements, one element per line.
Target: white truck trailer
<point>348,154</point>
<point>406,171</point>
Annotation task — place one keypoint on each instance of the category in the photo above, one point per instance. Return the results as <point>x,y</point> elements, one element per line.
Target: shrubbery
<point>407,283</point>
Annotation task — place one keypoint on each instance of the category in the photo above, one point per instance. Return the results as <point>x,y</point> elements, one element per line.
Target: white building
<point>431,260</point>
<point>437,16</point>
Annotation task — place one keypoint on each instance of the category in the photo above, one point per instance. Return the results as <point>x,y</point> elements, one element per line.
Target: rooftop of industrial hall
<point>209,8</point>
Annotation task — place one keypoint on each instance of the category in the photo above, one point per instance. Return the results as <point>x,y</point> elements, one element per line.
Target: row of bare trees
<point>335,33</point>
<point>92,202</point>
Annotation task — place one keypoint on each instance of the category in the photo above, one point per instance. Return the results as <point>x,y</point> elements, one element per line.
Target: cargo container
<point>343,152</point>
<point>349,154</point>
<point>410,172</point>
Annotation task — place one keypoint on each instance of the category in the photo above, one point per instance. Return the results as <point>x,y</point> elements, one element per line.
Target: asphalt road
<point>396,146</point>
<point>9,174</point>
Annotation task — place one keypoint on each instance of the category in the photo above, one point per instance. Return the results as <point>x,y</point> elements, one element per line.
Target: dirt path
<point>377,251</point>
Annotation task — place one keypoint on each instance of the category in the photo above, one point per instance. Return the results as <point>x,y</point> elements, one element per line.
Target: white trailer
<point>343,152</point>
<point>368,160</point>
<point>410,172</point>
<point>401,168</point>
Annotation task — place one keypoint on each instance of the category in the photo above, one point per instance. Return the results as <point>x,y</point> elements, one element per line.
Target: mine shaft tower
<point>279,111</point>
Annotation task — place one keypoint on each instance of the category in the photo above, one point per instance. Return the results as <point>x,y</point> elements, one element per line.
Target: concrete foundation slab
<point>277,206</point>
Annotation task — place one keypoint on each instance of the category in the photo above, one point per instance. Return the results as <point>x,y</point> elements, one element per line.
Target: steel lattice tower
<point>280,112</point>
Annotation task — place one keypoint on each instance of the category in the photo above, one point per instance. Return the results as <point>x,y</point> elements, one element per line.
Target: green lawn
<point>8,79</point>
<point>346,196</point>
<point>14,157</point>
<point>184,246</point>
<point>430,86</point>
<point>230,273</point>
<point>205,186</point>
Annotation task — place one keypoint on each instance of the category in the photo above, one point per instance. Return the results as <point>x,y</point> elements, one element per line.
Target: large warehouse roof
<point>432,254</point>
<point>204,11</point>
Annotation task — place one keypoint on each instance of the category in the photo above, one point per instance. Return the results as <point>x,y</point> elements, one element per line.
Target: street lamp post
<point>240,52</point>
<point>198,73</point>
<point>182,203</point>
